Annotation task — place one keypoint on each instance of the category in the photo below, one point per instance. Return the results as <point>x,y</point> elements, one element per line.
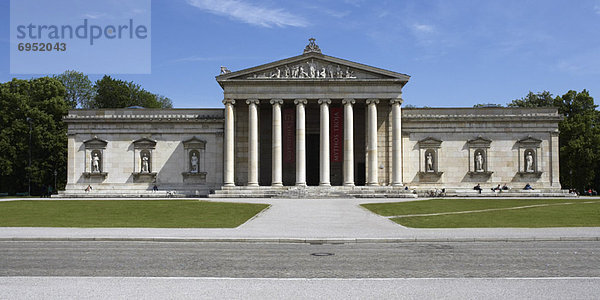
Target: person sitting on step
<point>478,188</point>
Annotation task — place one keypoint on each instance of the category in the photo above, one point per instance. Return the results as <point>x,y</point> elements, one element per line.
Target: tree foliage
<point>543,99</point>
<point>79,88</point>
<point>41,103</point>
<point>579,139</point>
<point>115,93</point>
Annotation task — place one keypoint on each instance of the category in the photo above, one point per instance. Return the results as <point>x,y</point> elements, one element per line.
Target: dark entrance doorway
<point>312,159</point>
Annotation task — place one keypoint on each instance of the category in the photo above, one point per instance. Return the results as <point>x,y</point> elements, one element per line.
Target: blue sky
<point>458,53</point>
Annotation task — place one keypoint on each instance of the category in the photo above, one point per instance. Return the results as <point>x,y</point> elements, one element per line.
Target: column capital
<point>324,101</point>
<point>396,101</point>
<point>300,101</point>
<point>348,101</point>
<point>228,101</point>
<point>252,101</point>
<point>276,101</point>
<point>372,101</point>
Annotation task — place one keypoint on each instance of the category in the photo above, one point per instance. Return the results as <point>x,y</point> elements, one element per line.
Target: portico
<point>312,120</point>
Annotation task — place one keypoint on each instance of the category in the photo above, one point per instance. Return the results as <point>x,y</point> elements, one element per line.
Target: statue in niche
<point>529,162</point>
<point>296,71</point>
<point>330,71</point>
<point>429,162</point>
<point>287,72</point>
<point>95,163</point>
<point>323,74</point>
<point>194,163</point>
<point>338,72</point>
<point>145,163</point>
<point>478,162</point>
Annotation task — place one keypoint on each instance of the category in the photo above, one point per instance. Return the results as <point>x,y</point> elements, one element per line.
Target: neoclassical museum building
<point>310,125</point>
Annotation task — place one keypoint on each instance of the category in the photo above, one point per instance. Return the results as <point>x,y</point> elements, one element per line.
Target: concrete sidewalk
<point>306,221</point>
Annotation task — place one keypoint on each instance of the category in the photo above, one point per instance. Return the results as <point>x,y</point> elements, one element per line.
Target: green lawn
<point>573,215</point>
<point>126,213</point>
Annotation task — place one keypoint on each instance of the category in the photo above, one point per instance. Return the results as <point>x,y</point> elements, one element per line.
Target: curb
<point>299,240</point>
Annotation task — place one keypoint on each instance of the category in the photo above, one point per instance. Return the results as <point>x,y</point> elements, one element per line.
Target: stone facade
<point>170,137</point>
<point>502,135</point>
<point>311,120</point>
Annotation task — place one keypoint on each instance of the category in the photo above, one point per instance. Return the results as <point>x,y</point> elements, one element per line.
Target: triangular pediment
<point>312,66</point>
<point>430,142</point>
<point>194,143</point>
<point>95,143</point>
<point>144,143</point>
<point>479,142</point>
<point>529,141</point>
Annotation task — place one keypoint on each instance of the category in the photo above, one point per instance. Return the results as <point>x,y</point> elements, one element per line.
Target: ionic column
<point>300,142</point>
<point>372,142</point>
<point>396,142</point>
<point>228,178</point>
<point>324,178</point>
<point>276,150</point>
<point>348,142</point>
<point>252,142</point>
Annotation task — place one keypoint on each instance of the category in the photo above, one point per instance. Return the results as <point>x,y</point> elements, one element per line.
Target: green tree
<point>79,88</point>
<point>39,103</point>
<point>579,138</point>
<point>115,93</point>
<point>543,99</point>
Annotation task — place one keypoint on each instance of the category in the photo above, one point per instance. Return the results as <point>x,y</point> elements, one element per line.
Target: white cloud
<point>423,28</point>
<point>250,13</point>
<point>94,16</point>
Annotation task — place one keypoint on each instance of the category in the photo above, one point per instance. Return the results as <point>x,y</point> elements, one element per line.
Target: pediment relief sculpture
<point>310,69</point>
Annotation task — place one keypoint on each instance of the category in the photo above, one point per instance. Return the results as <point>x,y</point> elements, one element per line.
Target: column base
<point>397,184</point>
<point>301,184</point>
<point>372,184</point>
<point>349,184</point>
<point>325,184</point>
<point>252,184</point>
<point>278,184</point>
<point>228,184</point>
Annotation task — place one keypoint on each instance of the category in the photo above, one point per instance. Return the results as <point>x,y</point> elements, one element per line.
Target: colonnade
<point>324,151</point>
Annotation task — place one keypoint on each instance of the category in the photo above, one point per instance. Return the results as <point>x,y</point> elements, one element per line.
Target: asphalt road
<point>248,260</point>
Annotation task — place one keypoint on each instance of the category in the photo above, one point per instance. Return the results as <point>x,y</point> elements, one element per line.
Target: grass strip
<point>455,205</point>
<point>126,213</point>
<point>575,215</point>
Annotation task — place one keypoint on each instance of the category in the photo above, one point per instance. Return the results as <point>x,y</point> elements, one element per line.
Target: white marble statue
<point>303,73</point>
<point>529,162</point>
<point>312,69</point>
<point>330,71</point>
<point>194,162</point>
<point>429,160</point>
<point>145,164</point>
<point>478,162</point>
<point>349,73</point>
<point>323,73</point>
<point>95,163</point>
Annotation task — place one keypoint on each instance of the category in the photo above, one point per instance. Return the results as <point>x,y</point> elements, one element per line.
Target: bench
<point>22,194</point>
<point>3,194</point>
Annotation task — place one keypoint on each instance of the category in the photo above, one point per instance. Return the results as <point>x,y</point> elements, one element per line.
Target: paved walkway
<point>307,220</point>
